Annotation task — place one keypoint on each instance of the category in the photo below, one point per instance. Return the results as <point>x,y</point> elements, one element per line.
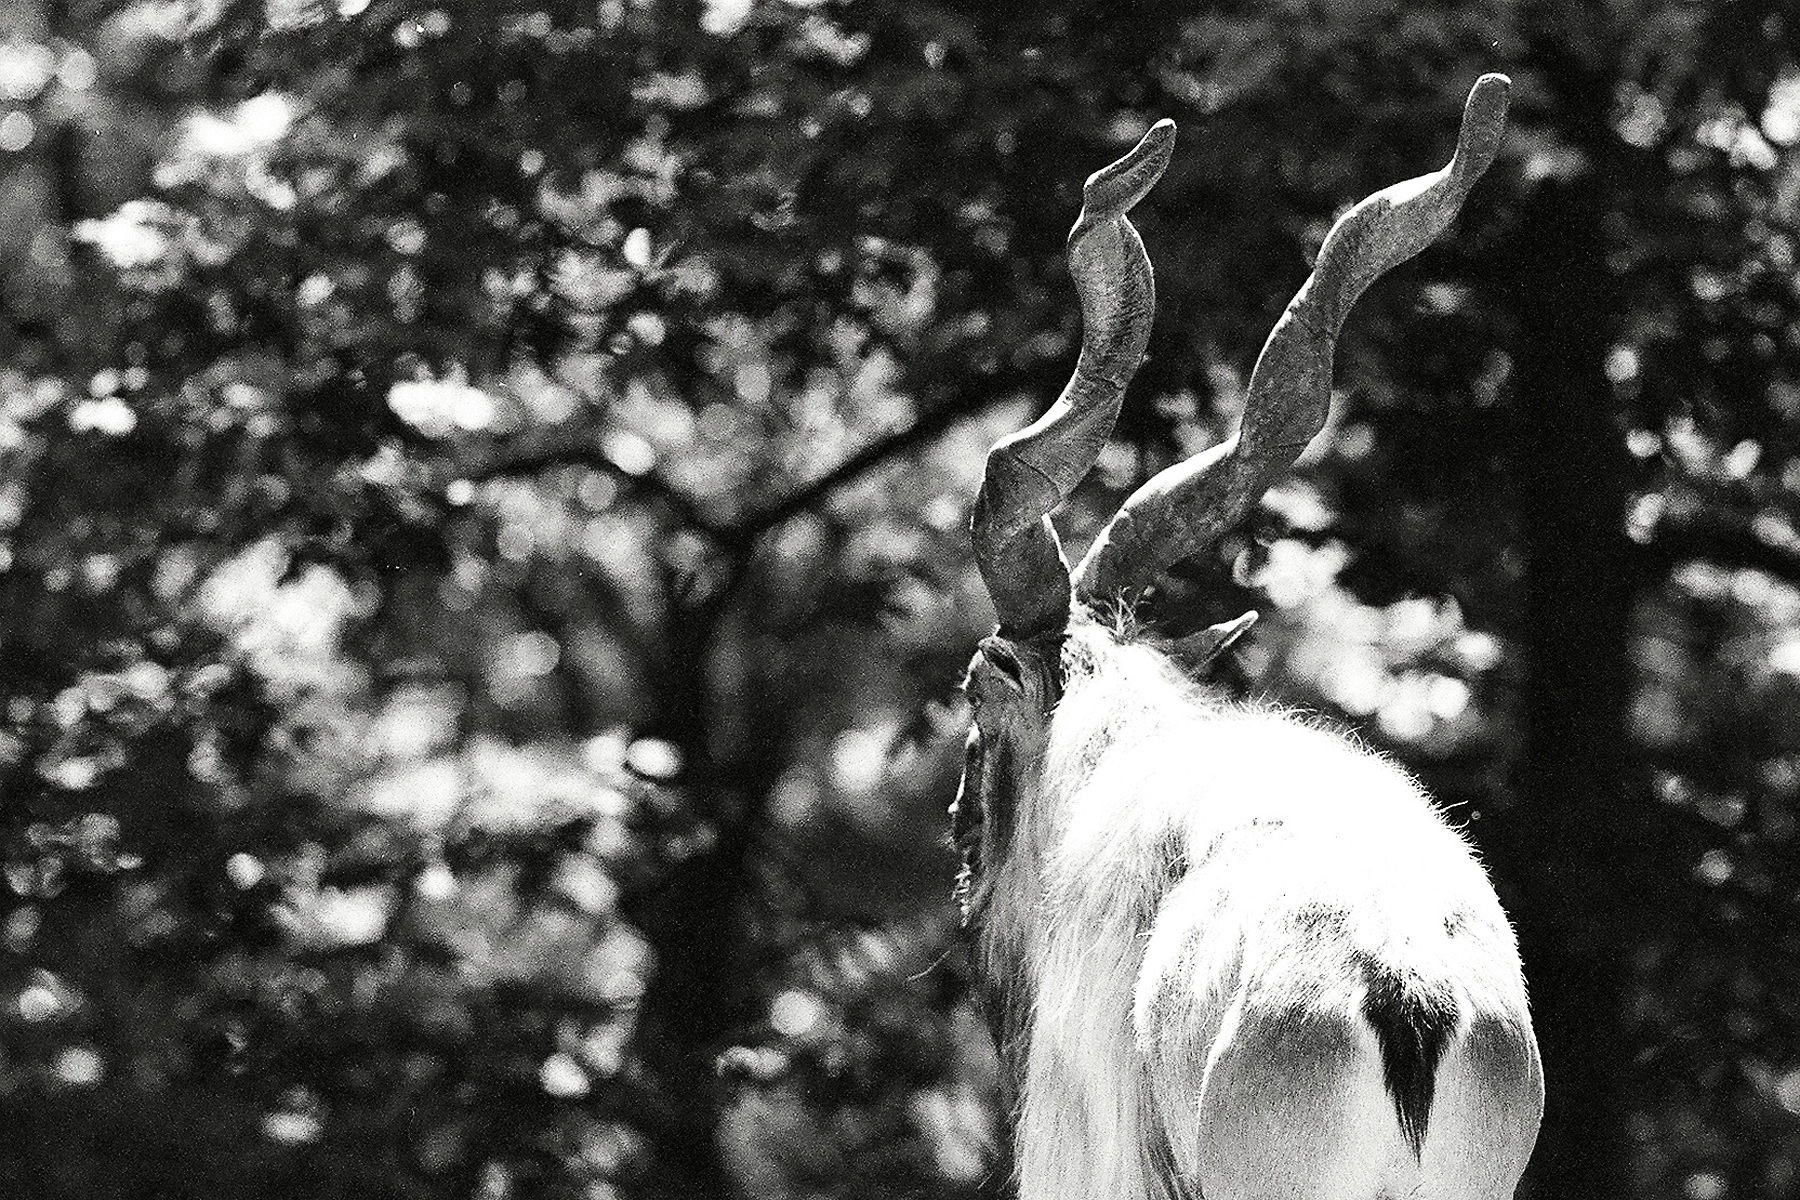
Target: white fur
<point>1156,891</point>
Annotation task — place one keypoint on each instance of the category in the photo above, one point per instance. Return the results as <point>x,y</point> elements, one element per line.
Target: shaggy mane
<point>1122,688</point>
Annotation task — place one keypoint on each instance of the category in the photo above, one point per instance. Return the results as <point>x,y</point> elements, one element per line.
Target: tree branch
<point>921,432</point>
<point>528,456</point>
<point>1727,538</point>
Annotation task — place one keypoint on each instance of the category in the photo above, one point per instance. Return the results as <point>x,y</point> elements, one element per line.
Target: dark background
<point>483,570</point>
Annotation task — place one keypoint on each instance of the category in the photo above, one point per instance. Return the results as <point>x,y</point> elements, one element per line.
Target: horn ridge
<point>1032,471</point>
<point>1188,506</point>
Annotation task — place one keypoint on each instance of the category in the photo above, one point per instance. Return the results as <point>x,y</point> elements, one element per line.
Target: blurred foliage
<point>482,572</point>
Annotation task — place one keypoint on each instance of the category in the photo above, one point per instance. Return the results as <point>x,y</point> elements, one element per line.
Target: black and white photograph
<point>899,600</point>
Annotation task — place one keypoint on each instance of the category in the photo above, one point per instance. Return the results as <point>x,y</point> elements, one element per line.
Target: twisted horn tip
<point>1483,124</point>
<point>1114,189</point>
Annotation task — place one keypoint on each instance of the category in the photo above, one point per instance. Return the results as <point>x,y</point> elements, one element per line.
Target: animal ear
<point>1199,650</point>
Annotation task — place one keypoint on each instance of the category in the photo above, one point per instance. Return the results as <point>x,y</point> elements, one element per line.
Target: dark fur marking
<point>1413,1028</point>
<point>1322,922</point>
<point>1172,858</point>
<point>1164,1172</point>
<point>1169,866</point>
